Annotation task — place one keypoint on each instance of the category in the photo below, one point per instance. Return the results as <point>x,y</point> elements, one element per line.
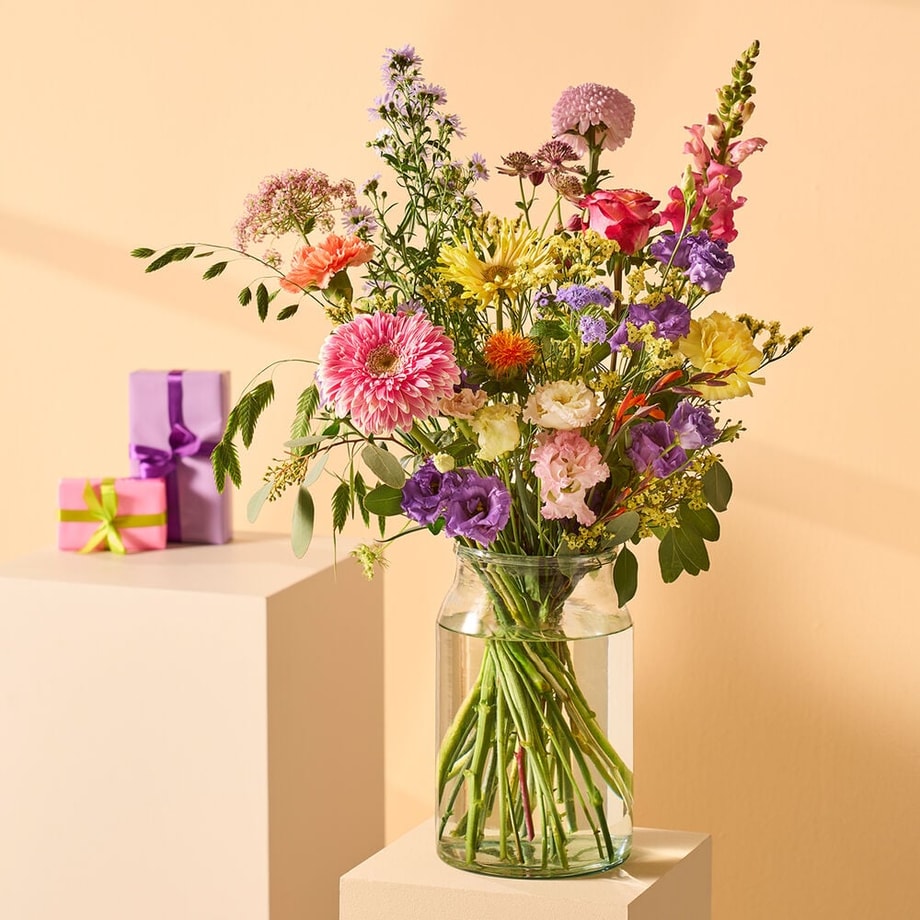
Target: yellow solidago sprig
<point>504,259</point>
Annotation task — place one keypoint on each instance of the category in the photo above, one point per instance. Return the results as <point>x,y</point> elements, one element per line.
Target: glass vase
<point>534,717</point>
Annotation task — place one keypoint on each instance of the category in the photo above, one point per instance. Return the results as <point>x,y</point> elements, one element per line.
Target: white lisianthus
<point>562,404</point>
<point>497,429</point>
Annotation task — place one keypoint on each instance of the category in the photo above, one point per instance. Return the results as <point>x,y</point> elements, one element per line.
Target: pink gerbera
<point>385,370</point>
<point>314,266</point>
<point>591,105</point>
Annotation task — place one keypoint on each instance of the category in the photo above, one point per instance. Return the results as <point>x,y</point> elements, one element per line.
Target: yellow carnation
<point>497,430</point>
<point>718,343</point>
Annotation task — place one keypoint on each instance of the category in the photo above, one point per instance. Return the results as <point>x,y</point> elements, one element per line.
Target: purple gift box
<point>176,418</point>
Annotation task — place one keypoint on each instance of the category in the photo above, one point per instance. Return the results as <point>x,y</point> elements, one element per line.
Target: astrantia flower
<point>562,404</point>
<point>521,164</point>
<point>386,370</point>
<point>567,465</point>
<point>478,508</point>
<point>717,344</point>
<point>314,266</point>
<point>515,252</point>
<point>555,154</point>
<point>507,353</point>
<point>592,106</point>
<point>654,449</point>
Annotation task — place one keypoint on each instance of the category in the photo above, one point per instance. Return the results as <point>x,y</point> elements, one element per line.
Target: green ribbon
<point>104,508</point>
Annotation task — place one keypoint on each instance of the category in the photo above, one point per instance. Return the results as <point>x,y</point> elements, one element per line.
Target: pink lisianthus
<point>567,466</point>
<point>624,215</point>
<point>314,266</point>
<point>386,370</point>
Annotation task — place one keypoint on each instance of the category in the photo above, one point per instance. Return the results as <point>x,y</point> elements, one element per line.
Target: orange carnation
<point>314,266</point>
<point>507,352</point>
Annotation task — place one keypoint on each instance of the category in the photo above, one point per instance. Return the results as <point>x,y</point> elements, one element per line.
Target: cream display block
<point>191,734</point>
<point>667,877</point>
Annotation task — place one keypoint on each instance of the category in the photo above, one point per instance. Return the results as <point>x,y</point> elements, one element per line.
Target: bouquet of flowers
<point>545,385</point>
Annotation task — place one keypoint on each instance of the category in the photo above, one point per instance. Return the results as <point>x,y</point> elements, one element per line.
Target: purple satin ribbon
<point>154,462</point>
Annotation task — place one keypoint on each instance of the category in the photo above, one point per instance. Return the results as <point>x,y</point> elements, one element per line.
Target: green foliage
<point>717,486</point>
<point>245,297</point>
<point>302,522</point>
<point>288,311</point>
<point>384,501</point>
<point>625,576</point>
<point>307,404</point>
<point>225,461</point>
<point>622,527</point>
<point>262,301</point>
<point>384,465</point>
<point>341,504</point>
<point>254,505</point>
<point>245,414</point>
<point>176,254</point>
<point>216,269</point>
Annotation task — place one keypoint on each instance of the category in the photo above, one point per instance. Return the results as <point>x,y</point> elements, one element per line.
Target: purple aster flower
<point>593,329</point>
<point>478,508</point>
<point>411,306</point>
<point>693,426</point>
<point>710,262</point>
<point>359,219</point>
<point>478,166</point>
<point>663,250</point>
<point>437,94</point>
<point>654,448</point>
<point>425,492</point>
<point>578,296</point>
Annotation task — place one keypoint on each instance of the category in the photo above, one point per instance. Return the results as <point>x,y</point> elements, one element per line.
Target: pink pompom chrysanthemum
<point>385,370</point>
<point>591,105</point>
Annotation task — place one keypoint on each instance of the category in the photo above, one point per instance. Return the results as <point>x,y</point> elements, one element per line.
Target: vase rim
<point>575,560</point>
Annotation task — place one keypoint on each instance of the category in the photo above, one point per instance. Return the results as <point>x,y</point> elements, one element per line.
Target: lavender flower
<point>478,508</point>
<point>578,296</point>
<point>693,426</point>
<point>654,449</point>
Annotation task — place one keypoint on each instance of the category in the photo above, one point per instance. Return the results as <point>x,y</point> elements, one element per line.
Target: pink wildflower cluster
<point>714,181</point>
<point>567,466</point>
<point>298,201</point>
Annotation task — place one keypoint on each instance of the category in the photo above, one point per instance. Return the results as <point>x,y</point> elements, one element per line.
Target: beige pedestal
<point>192,734</point>
<point>666,878</point>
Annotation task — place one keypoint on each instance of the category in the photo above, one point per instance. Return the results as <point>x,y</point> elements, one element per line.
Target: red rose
<point>623,215</point>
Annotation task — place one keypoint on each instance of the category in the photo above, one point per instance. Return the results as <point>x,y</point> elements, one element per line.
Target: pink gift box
<point>138,514</point>
<point>175,419</point>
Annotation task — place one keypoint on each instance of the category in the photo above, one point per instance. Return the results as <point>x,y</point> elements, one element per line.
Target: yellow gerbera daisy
<point>516,254</point>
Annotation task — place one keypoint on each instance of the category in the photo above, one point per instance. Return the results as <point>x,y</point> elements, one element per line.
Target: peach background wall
<point>777,696</point>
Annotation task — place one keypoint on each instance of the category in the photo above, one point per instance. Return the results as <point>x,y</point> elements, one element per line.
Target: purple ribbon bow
<point>154,462</point>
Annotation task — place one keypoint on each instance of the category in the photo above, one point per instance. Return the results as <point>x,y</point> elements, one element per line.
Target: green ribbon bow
<point>104,508</point>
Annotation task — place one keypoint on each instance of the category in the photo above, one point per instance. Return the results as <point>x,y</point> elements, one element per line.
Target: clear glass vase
<point>534,717</point>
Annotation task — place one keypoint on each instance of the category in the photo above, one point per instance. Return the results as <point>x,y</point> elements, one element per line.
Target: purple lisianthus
<point>710,262</point>
<point>671,319</point>
<point>579,296</point>
<point>663,249</point>
<point>477,508</point>
<point>654,447</point>
<point>693,425</point>
<point>425,492</point>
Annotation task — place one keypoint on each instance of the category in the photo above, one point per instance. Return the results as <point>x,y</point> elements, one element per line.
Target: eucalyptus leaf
<point>254,505</point>
<point>384,501</point>
<point>306,441</point>
<point>384,465</point>
<point>302,522</point>
<point>316,470</point>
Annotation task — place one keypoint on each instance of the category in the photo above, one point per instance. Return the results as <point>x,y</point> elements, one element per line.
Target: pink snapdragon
<point>567,466</point>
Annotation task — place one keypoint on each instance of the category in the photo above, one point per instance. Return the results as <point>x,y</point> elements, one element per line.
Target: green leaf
<point>384,465</point>
<point>142,252</point>
<point>307,404</point>
<point>625,576</point>
<point>251,406</point>
<point>302,522</point>
<point>306,441</point>
<point>622,527</point>
<point>204,255</point>
<point>288,312</point>
<point>262,299</point>
<point>701,521</point>
<point>244,297</point>
<point>225,462</point>
<point>216,269</point>
<point>717,486</point>
<point>670,560</point>
<point>361,495</point>
<point>341,501</point>
<point>254,505</point>
<point>548,329</point>
<point>384,501</point>
<point>692,549</point>
<point>176,254</point>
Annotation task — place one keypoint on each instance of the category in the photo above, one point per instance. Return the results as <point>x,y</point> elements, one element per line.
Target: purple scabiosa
<point>603,111</point>
<point>477,508</point>
<point>425,491</point>
<point>593,329</point>
<point>693,426</point>
<point>654,449</point>
<point>579,296</point>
